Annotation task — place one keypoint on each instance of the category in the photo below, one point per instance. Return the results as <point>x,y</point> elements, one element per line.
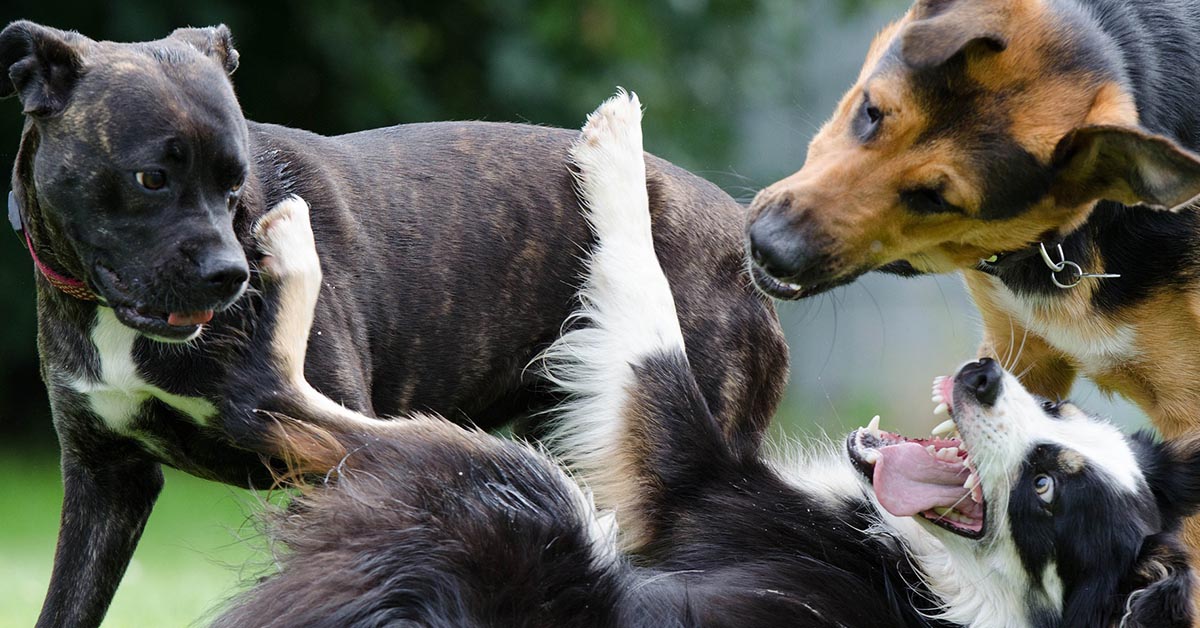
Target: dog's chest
<point>1069,325</point>
<point>118,393</point>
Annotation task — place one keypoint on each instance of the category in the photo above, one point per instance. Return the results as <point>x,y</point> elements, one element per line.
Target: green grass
<point>199,547</point>
<point>189,560</point>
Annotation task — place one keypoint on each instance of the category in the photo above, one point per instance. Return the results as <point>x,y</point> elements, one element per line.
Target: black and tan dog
<point>1036,516</point>
<point>1033,144</point>
<point>450,253</point>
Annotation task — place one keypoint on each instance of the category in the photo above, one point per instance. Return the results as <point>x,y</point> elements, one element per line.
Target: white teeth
<point>936,398</point>
<point>949,454</point>
<point>871,456</point>
<point>977,494</point>
<point>941,409</point>
<point>942,512</point>
<point>944,428</point>
<point>873,426</point>
<point>932,450</point>
<point>972,482</point>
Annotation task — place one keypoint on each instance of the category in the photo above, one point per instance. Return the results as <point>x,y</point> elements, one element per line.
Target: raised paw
<point>285,238</point>
<point>612,171</point>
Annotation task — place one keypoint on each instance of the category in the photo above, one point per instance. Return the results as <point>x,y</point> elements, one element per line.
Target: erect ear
<point>1127,165</point>
<point>40,65</point>
<point>1173,473</point>
<point>943,28</point>
<point>214,41</point>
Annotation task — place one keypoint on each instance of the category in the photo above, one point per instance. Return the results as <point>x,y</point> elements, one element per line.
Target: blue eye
<point>1043,485</point>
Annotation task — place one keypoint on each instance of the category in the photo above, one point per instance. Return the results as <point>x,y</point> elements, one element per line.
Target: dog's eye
<point>926,201</point>
<point>1044,486</point>
<point>151,179</point>
<point>237,187</point>
<point>1053,408</point>
<point>867,123</point>
<point>874,115</point>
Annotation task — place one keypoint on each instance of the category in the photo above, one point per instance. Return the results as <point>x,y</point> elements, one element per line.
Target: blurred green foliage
<point>335,67</point>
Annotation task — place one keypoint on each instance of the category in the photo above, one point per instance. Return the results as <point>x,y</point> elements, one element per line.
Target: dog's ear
<point>1162,595</point>
<point>943,28</point>
<point>1172,471</point>
<point>216,42</point>
<point>40,65</point>
<point>1126,165</point>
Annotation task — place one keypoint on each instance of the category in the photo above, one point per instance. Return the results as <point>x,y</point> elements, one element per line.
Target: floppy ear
<point>216,42</point>
<point>40,65</point>
<point>943,28</point>
<point>1126,165</point>
<point>1162,596</point>
<point>1173,474</point>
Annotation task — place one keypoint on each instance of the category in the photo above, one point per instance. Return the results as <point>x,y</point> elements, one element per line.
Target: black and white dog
<point>450,253</point>
<point>1021,513</point>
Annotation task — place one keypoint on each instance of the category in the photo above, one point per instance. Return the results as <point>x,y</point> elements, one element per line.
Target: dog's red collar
<point>67,285</point>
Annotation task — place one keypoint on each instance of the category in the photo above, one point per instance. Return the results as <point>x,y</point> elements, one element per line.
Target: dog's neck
<point>42,228</point>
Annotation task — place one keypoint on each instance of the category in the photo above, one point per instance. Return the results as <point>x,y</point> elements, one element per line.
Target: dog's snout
<point>225,275</point>
<point>983,380</point>
<point>777,247</point>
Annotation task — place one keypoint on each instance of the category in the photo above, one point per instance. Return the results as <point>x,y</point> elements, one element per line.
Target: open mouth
<point>175,326</point>
<point>932,478</point>
<point>171,326</point>
<point>786,291</point>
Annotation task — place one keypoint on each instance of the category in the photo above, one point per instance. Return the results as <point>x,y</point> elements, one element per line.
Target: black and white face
<point>1061,499</point>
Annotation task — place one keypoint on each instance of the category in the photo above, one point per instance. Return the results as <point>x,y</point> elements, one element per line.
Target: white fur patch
<point>120,393</point>
<point>1097,346</point>
<point>626,305</point>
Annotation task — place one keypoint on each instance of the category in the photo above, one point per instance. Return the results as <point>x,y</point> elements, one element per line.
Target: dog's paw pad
<point>285,238</point>
<point>619,118</point>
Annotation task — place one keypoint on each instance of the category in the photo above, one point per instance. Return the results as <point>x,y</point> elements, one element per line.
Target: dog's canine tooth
<point>944,428</point>
<point>873,426</point>
<point>941,409</point>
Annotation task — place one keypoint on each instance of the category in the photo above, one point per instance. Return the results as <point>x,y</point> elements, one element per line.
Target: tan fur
<point>848,194</point>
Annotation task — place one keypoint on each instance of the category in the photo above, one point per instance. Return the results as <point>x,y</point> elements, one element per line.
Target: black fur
<point>477,531</point>
<point>1154,49</point>
<point>450,252</point>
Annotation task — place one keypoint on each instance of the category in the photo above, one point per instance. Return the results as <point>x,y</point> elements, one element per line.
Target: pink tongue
<point>910,481</point>
<point>186,319</point>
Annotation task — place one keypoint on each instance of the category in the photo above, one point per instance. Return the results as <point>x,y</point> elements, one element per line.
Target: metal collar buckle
<point>1076,276</point>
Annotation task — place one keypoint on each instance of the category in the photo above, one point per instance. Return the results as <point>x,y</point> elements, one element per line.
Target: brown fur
<point>847,200</point>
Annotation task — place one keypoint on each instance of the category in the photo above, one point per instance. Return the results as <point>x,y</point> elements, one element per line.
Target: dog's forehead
<point>1079,441</point>
<point>132,93</point>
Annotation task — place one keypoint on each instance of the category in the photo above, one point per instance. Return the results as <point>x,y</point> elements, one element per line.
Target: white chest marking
<point>1096,344</point>
<point>119,394</point>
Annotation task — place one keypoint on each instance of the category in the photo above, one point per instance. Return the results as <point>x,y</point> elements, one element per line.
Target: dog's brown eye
<point>236,187</point>
<point>874,115</point>
<point>151,179</point>
<point>1043,485</point>
<point>926,201</point>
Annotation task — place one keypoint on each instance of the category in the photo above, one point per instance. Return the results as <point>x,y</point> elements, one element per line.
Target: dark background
<point>336,67</point>
<point>733,90</point>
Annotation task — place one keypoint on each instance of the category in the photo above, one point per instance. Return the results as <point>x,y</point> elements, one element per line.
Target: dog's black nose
<point>225,276</point>
<point>983,380</point>
<point>778,248</point>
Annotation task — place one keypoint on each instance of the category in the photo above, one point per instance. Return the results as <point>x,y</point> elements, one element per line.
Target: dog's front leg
<point>107,500</point>
<point>269,379</point>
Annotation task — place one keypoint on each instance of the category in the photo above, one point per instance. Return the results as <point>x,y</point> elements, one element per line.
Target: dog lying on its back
<point>448,251</point>
<point>1037,515</point>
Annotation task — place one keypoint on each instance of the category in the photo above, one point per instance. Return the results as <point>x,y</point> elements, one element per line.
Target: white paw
<point>612,169</point>
<point>285,238</point>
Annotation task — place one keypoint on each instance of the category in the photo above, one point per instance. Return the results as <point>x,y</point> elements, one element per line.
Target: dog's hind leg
<point>635,421</point>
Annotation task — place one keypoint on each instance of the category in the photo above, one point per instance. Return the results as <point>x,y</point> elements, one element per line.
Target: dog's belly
<point>1069,325</point>
<point>118,395</point>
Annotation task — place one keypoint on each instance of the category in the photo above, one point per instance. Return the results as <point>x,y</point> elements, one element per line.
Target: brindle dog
<point>450,255</point>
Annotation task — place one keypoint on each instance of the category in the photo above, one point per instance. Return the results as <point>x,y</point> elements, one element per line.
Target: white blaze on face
<point>1000,437</point>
